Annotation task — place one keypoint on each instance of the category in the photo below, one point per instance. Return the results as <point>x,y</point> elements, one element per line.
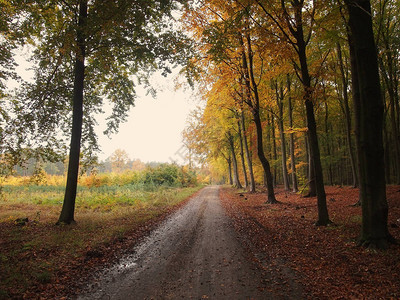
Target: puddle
<point>126,266</point>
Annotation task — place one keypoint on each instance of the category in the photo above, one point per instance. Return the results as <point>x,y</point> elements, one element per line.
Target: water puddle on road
<point>126,266</point>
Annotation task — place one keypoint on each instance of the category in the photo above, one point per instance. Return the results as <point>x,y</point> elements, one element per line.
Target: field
<point>36,256</point>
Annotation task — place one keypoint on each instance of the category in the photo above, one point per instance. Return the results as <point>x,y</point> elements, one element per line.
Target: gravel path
<point>194,254</point>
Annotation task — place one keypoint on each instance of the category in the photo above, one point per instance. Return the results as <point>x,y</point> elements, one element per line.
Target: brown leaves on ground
<point>326,260</point>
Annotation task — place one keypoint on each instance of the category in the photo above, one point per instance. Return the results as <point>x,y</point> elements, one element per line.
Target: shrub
<point>164,174</point>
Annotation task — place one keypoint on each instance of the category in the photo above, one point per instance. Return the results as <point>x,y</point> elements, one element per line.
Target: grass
<point>35,254</point>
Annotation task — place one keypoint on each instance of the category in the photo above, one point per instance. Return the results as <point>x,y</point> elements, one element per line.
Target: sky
<point>153,131</point>
<point>154,126</point>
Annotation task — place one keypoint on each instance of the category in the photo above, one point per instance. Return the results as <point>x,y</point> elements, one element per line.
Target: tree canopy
<point>290,70</point>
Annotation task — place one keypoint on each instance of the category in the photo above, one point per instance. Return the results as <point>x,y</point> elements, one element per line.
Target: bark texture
<point>248,156</point>
<point>374,232</point>
<point>68,208</point>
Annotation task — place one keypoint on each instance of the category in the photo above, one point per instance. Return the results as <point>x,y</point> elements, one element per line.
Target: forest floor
<point>39,260</point>
<point>327,260</point>
<point>289,256</point>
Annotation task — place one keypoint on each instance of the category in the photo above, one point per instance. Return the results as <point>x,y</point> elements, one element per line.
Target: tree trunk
<point>246,182</point>
<point>347,117</point>
<point>355,92</point>
<point>388,80</point>
<point>312,189</point>
<point>68,208</point>
<point>328,144</point>
<point>236,181</point>
<point>387,153</point>
<point>229,161</point>
<point>251,85</point>
<point>374,231</point>
<point>264,160</point>
<point>323,217</point>
<point>291,144</point>
<point>248,157</point>
<point>274,149</point>
<point>279,102</point>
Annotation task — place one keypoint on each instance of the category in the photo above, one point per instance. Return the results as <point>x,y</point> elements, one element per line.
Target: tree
<point>294,17</point>
<point>138,165</point>
<point>236,180</point>
<point>239,131</point>
<point>119,160</point>
<point>247,152</point>
<point>253,101</point>
<point>346,110</point>
<point>388,44</point>
<point>68,208</point>
<point>295,188</point>
<point>226,41</point>
<point>87,51</point>
<point>279,102</point>
<point>9,42</point>
<point>374,231</point>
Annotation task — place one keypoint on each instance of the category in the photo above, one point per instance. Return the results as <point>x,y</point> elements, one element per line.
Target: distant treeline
<point>152,176</point>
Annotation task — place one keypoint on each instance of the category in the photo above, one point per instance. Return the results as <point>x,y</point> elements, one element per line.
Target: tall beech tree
<point>89,51</point>
<point>279,103</point>
<point>374,231</point>
<point>68,208</point>
<point>252,187</point>
<point>239,128</point>
<point>295,187</point>
<point>253,101</point>
<point>293,29</point>
<point>387,38</point>
<point>236,180</point>
<point>347,114</point>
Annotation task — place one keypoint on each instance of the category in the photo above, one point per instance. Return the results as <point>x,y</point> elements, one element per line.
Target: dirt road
<point>194,254</point>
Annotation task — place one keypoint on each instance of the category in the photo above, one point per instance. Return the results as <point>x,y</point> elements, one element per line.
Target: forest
<point>300,117</point>
<point>299,93</point>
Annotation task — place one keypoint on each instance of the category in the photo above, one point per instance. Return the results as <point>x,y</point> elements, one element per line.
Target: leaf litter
<point>327,261</point>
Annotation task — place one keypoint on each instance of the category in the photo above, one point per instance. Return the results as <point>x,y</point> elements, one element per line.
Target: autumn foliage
<point>324,260</point>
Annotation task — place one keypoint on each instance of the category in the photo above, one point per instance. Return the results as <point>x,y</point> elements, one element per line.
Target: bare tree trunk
<point>251,86</point>
<point>374,231</point>
<point>291,144</point>
<point>279,102</point>
<point>264,161</point>
<point>274,149</point>
<point>323,216</point>
<point>229,161</point>
<point>312,189</point>
<point>246,182</point>
<point>236,181</point>
<point>248,157</point>
<point>347,116</point>
<point>68,208</point>
<point>388,80</point>
<point>328,144</point>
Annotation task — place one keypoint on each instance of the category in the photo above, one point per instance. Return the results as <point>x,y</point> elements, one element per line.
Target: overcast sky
<point>154,127</point>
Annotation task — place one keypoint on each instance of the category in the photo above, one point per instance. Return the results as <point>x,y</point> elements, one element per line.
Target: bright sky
<point>154,127</point>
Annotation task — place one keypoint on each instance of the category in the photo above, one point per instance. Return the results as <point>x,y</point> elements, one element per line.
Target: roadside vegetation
<point>38,257</point>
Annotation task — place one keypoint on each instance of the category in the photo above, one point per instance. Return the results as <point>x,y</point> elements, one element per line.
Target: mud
<point>194,254</point>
